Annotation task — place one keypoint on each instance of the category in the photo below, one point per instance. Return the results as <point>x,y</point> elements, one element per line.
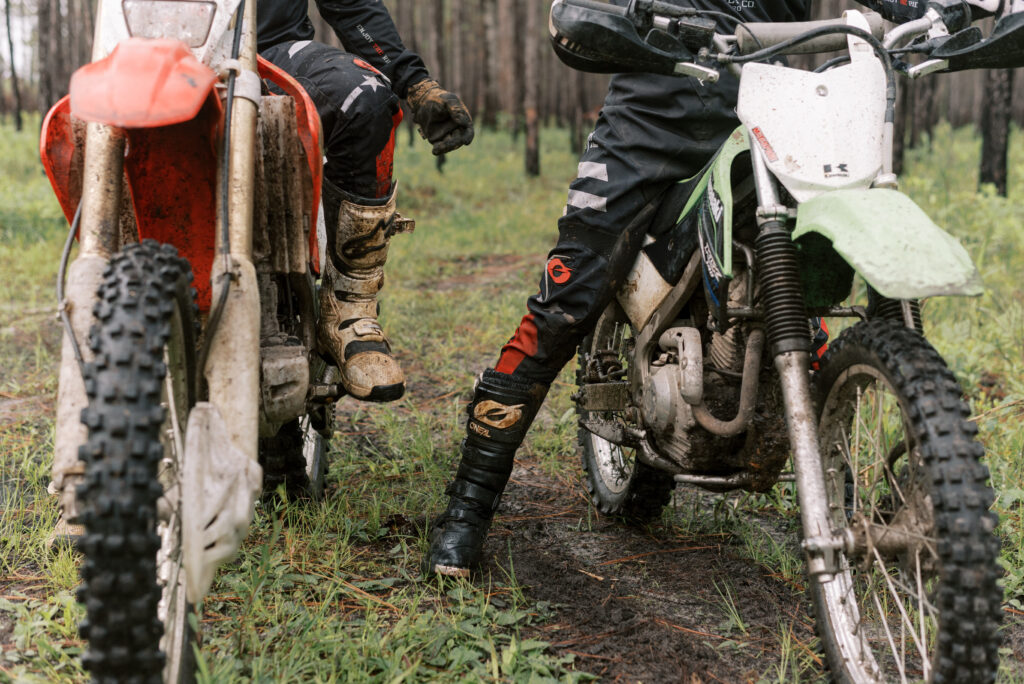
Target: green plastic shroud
<point>889,241</point>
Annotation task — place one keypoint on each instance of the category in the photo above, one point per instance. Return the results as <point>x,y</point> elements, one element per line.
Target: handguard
<point>1003,49</point>
<point>601,38</point>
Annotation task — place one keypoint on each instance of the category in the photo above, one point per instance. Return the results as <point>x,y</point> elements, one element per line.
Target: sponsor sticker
<point>769,153</point>
<point>498,415</point>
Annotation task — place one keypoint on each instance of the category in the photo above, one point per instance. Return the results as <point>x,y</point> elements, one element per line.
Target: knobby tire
<point>144,321</point>
<point>934,471</point>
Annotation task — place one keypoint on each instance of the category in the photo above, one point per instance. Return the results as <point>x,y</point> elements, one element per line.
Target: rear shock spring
<point>781,292</point>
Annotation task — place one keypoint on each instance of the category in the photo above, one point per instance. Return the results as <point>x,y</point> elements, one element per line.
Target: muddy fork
<point>99,238</point>
<point>789,336</point>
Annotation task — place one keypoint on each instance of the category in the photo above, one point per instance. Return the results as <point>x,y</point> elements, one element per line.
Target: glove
<point>442,118</point>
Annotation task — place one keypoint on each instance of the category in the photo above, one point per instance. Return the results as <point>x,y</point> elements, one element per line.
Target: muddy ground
<point>649,604</point>
<point>652,605</point>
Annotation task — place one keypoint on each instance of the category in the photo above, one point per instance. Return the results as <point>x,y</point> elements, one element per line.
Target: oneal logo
<point>498,415</point>
<point>479,429</point>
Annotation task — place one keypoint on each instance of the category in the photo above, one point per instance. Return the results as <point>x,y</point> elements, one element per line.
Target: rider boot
<point>502,409</point>
<point>358,232</point>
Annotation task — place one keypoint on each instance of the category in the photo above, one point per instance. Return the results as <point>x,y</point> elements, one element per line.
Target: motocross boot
<point>502,409</point>
<point>358,231</point>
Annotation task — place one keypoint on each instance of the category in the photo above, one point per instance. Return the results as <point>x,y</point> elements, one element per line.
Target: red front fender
<point>142,84</point>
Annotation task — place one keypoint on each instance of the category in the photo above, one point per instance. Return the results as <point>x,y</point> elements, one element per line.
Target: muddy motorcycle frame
<point>799,200</point>
<point>176,166</point>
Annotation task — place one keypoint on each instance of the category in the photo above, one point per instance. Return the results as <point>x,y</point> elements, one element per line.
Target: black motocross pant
<point>652,132</point>
<point>358,113</point>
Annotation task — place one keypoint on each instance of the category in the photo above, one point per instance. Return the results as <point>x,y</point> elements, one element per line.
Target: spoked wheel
<point>916,599</point>
<point>140,387</point>
<point>618,483</point>
<point>296,456</point>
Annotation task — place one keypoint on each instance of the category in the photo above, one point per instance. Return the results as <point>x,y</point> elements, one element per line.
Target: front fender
<point>142,84</point>
<point>891,243</point>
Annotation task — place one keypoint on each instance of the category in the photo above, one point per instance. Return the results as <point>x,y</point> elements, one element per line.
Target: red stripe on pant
<point>386,159</point>
<point>522,345</point>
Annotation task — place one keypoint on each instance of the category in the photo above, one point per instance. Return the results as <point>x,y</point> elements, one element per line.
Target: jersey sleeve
<point>366,29</point>
<point>897,11</point>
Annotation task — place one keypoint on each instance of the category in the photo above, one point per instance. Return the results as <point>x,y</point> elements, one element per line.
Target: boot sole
<point>382,393</point>
<point>450,570</point>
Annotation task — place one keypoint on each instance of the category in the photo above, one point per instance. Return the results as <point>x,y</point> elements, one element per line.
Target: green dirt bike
<point>675,385</point>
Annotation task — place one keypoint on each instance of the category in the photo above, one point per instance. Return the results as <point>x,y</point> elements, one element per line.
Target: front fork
<point>99,234</point>
<point>790,344</point>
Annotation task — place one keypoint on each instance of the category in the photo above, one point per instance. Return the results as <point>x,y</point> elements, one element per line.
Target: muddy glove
<point>442,118</point>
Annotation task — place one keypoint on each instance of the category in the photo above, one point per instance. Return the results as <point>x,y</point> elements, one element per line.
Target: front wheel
<point>916,598</point>
<point>619,484</point>
<point>140,386</point>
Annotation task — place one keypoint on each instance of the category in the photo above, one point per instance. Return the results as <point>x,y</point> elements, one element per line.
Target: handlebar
<point>758,36</point>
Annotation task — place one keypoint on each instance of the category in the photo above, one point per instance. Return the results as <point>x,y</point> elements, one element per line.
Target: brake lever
<point>701,73</point>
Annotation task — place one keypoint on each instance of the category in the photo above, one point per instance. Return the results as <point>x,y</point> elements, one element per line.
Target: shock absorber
<point>883,307</point>
<point>781,293</point>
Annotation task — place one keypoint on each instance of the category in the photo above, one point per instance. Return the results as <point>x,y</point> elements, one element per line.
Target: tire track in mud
<point>651,604</point>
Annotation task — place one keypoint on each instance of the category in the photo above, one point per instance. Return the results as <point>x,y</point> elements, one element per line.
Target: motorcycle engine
<point>669,418</point>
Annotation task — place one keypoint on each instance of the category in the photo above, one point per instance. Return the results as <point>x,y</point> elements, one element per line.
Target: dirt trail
<point>648,605</point>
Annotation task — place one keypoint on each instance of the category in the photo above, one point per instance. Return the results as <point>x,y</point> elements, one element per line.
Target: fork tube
<point>233,363</point>
<point>103,170</point>
<point>99,237</point>
<point>789,337</point>
<point>243,147</point>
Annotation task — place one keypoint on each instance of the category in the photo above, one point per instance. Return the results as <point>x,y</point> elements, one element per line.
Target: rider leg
<point>631,159</point>
<point>358,113</point>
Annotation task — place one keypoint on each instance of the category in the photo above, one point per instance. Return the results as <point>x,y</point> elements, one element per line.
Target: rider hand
<point>442,118</point>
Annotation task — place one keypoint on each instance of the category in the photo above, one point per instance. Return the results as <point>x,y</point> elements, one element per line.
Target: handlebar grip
<point>598,6</point>
<point>753,37</point>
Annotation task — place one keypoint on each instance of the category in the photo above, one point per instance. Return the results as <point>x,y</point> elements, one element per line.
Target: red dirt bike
<point>173,163</point>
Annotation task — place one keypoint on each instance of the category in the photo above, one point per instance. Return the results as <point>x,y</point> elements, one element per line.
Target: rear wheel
<point>916,599</point>
<point>140,387</point>
<point>295,457</point>
<point>619,484</point>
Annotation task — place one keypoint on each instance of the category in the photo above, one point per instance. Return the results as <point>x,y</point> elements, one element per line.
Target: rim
<point>172,610</point>
<point>879,607</point>
<point>615,464</point>
<point>614,467</point>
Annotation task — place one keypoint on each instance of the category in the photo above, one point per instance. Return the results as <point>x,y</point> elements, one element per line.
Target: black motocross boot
<point>501,412</point>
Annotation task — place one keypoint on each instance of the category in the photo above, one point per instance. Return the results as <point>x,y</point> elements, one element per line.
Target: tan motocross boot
<point>348,328</point>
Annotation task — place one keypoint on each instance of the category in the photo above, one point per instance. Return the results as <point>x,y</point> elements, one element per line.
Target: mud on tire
<point>618,483</point>
<point>908,482</point>
<point>145,323</point>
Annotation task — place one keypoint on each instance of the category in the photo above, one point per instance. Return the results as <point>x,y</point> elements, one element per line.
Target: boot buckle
<point>367,327</point>
<point>401,224</point>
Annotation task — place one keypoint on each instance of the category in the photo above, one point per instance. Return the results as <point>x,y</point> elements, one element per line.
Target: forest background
<point>495,54</point>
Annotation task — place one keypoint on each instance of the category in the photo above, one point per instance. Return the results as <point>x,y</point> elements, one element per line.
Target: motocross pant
<point>358,113</point>
<point>653,131</point>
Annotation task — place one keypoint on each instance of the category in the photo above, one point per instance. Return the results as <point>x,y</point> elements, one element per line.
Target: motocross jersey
<point>364,27</point>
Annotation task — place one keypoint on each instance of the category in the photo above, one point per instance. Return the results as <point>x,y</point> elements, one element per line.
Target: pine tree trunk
<point>14,73</point>
<point>508,64</point>
<point>492,60</point>
<point>531,90</point>
<point>995,128</point>
<point>904,114</point>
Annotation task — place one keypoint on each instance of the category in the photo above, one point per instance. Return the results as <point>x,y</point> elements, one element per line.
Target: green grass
<point>332,591</point>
